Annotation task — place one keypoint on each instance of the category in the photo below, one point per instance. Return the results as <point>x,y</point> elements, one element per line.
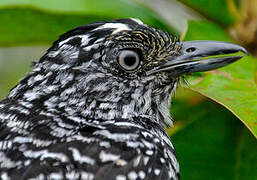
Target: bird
<point>95,106</point>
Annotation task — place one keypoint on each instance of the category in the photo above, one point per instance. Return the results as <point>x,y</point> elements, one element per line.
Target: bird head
<point>118,69</point>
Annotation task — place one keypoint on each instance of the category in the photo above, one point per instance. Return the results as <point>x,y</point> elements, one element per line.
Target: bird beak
<point>196,56</point>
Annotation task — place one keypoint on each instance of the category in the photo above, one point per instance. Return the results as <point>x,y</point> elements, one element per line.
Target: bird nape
<point>96,105</point>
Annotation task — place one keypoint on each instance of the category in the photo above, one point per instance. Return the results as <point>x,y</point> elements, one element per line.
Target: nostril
<point>191,49</point>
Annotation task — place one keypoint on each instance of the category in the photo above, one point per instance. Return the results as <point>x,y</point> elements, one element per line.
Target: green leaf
<point>14,64</point>
<point>217,10</point>
<point>202,30</point>
<point>41,22</point>
<point>211,143</point>
<point>233,86</point>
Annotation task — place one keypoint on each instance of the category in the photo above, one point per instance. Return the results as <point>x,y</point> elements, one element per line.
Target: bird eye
<point>129,60</point>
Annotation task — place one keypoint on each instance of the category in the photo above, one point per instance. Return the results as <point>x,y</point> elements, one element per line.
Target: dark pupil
<point>129,60</point>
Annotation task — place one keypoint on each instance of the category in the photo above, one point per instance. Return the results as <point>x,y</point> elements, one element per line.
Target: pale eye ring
<point>129,60</point>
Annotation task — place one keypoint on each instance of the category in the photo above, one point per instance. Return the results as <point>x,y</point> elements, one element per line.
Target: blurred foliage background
<point>215,115</point>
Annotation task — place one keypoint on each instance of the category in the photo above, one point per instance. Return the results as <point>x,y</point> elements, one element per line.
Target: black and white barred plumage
<point>80,115</point>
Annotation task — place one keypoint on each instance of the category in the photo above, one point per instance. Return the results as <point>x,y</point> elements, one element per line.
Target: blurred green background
<point>215,116</point>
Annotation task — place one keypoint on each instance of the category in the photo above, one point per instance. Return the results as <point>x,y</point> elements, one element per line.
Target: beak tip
<point>244,51</point>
